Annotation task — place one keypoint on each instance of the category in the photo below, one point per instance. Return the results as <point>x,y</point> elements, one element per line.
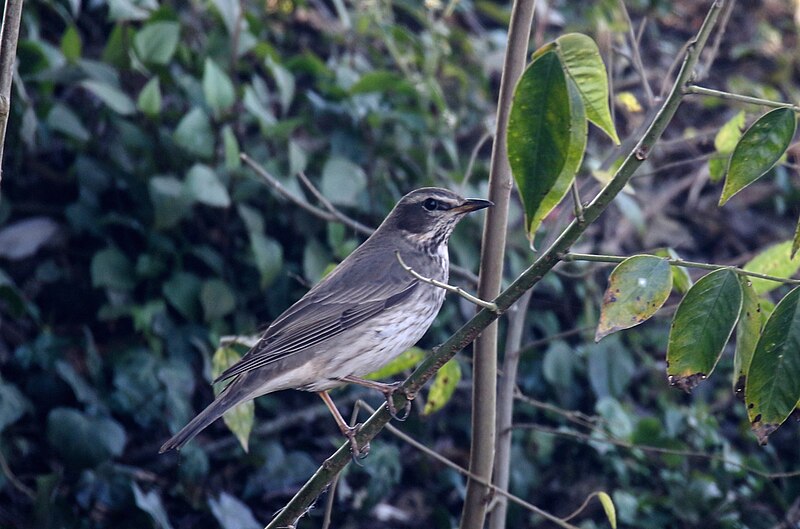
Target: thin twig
<point>719,94</point>
<point>637,57</point>
<point>327,204</point>
<point>724,17</point>
<point>13,479</point>
<point>572,257</point>
<point>474,156</point>
<point>450,288</point>
<point>576,202</point>
<point>655,449</point>
<point>281,189</point>
<point>583,505</point>
<point>464,472</point>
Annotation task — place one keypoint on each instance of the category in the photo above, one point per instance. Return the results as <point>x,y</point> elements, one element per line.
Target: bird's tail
<point>213,411</point>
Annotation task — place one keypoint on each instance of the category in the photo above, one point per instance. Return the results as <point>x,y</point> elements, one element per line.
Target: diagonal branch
<point>9,35</point>
<point>307,494</point>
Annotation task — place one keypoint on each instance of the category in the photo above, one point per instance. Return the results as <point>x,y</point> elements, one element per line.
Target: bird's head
<point>428,215</point>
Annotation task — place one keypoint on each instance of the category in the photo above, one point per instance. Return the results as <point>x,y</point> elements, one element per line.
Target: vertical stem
<point>9,35</point>
<point>491,274</point>
<point>505,407</point>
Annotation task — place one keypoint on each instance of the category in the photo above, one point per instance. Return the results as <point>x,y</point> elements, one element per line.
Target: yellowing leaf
<point>628,102</point>
<point>608,507</point>
<point>239,419</point>
<point>406,360</point>
<point>443,387</point>
<point>774,261</point>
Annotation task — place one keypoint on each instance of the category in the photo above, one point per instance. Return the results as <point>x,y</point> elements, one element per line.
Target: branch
<point>333,214</point>
<point>449,288</point>
<point>9,35</point>
<point>493,244</point>
<point>308,493</point>
<point>710,92</point>
<point>637,57</point>
<point>593,258</point>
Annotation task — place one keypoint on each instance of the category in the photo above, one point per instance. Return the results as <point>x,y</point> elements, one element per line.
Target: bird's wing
<point>319,317</point>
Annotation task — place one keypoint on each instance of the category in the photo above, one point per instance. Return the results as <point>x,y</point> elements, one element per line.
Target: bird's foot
<point>357,452</point>
<point>389,392</point>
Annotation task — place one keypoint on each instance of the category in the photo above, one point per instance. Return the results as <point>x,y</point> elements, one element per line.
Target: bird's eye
<point>430,204</point>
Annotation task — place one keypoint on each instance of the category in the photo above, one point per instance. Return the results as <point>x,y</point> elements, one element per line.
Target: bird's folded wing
<point>313,322</point>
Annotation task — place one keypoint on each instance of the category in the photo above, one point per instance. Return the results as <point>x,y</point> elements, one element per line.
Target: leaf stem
<point>710,92</point>
<point>573,257</point>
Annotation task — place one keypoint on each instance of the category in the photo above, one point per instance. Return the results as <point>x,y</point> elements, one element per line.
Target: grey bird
<point>362,315</point>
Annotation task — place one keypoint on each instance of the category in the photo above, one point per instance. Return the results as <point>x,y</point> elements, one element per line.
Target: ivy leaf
<point>772,390</point>
<point>637,288</point>
<point>149,100</point>
<point>701,327</point>
<point>760,148</point>
<point>217,88</point>
<point>203,184</point>
<point>239,419</point>
<point>156,42</point>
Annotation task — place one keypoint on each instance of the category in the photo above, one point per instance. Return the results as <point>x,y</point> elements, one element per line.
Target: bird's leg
<point>388,391</point>
<point>348,431</point>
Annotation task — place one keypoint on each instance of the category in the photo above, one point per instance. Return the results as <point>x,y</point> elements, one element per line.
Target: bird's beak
<point>472,204</point>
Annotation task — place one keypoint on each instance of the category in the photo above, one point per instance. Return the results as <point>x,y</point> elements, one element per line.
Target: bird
<point>364,313</point>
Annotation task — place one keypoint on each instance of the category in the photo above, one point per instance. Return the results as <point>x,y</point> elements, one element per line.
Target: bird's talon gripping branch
<point>450,288</point>
<point>388,391</point>
<point>358,452</point>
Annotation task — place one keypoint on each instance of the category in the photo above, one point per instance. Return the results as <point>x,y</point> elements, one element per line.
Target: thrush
<point>363,314</point>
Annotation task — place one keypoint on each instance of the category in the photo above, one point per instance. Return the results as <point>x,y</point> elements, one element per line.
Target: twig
<point>327,204</point>
<point>709,92</point>
<point>572,257</point>
<point>285,193</point>
<point>637,57</point>
<point>576,417</point>
<point>530,277</point>
<point>655,449</point>
<point>474,156</point>
<point>334,215</point>
<point>724,17</point>
<point>13,479</point>
<point>583,505</point>
<point>576,202</point>
<point>464,472</point>
<point>9,35</point>
<point>450,288</point>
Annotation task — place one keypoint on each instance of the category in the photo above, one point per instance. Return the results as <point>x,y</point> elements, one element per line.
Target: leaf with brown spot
<point>748,330</point>
<point>637,288</point>
<point>702,326</point>
<point>443,387</point>
<point>772,389</point>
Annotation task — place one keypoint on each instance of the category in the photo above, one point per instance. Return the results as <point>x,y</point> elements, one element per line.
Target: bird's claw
<point>357,452</point>
<point>389,393</point>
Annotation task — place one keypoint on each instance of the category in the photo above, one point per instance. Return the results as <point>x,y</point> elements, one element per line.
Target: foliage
<point>146,240</point>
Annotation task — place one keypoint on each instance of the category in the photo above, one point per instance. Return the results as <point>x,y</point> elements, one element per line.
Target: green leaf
<point>285,81</point>
<point>182,291</point>
<point>760,148</point>
<point>239,419</point>
<point>539,130</point>
<point>149,100</point>
<point>217,299</point>
<point>71,44</point>
<point>747,332</point>
<point>608,507</point>
<point>343,181</point>
<point>82,440</point>
<point>203,185</point>
<point>772,390</point>
<point>232,513</point>
<point>774,261</point>
<point>382,81</point>
<point>130,9</point>
<point>795,240</point>
<point>443,387</point>
<point>702,326</point>
<point>194,134</point>
<point>63,119</point>
<point>575,150</point>
<point>217,88</point>
<point>681,279</point>
<point>111,269</point>
<point>232,152</point>
<point>407,360</point>
<point>13,404</point>
<point>114,98</point>
<point>169,199</point>
<point>637,288</point>
<point>150,502</point>
<point>584,65</point>
<point>231,12</point>
<point>157,41</point>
